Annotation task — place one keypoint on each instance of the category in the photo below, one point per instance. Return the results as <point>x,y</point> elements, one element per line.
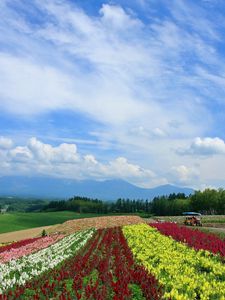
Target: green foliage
<point>209,201</point>
<point>78,204</point>
<point>87,205</point>
<point>163,206</point>
<point>206,202</point>
<point>44,233</point>
<point>136,292</point>
<point>22,204</point>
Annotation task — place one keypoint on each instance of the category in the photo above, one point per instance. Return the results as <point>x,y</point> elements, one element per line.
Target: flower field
<point>18,244</point>
<point>185,273</point>
<point>27,247</point>
<point>126,262</point>
<point>19,271</point>
<point>193,238</point>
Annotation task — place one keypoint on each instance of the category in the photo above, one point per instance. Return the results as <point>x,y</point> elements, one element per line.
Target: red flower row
<point>104,269</point>
<point>18,244</point>
<point>192,237</point>
<point>36,245</point>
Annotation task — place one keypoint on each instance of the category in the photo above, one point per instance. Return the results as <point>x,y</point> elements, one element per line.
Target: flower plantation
<point>184,272</point>
<point>193,238</point>
<point>120,263</point>
<point>19,244</point>
<point>27,248</point>
<point>17,272</point>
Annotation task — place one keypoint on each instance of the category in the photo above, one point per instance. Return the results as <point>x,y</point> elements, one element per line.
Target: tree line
<point>209,201</point>
<point>19,204</point>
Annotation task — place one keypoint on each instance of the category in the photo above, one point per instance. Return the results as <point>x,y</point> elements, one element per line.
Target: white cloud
<point>112,67</point>
<point>150,83</point>
<point>64,153</point>
<point>198,19</point>
<point>20,154</point>
<point>115,16</point>
<point>205,146</point>
<point>184,174</point>
<point>5,143</point>
<point>123,168</point>
<point>158,132</point>
<point>38,158</point>
<point>148,133</point>
<point>36,87</point>
<point>89,158</point>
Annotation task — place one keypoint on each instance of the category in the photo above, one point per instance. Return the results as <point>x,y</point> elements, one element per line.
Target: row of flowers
<point>28,248</point>
<point>103,269</point>
<point>108,271</point>
<point>17,272</point>
<point>4,245</point>
<point>9,246</point>
<point>184,272</point>
<point>193,238</point>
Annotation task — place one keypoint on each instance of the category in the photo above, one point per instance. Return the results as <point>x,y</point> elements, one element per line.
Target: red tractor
<point>192,219</point>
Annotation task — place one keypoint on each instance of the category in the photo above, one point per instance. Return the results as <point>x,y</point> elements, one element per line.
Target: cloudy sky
<point>114,89</point>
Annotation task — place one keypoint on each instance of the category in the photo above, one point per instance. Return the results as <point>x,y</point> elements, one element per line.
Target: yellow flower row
<point>186,274</point>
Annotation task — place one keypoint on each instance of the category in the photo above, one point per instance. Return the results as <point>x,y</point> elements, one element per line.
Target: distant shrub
<point>44,233</point>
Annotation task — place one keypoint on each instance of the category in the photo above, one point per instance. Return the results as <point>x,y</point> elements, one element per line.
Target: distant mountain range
<point>65,188</point>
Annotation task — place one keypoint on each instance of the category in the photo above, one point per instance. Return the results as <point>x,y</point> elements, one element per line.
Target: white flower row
<point>25,268</point>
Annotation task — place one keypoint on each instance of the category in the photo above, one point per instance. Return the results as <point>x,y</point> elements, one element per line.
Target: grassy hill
<point>19,221</point>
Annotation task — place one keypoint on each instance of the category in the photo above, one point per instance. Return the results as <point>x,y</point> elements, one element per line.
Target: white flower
<point>41,261</point>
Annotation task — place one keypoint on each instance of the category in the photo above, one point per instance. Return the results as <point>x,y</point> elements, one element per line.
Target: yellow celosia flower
<point>185,273</point>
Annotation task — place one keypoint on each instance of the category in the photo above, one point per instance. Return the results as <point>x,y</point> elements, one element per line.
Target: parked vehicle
<point>192,219</point>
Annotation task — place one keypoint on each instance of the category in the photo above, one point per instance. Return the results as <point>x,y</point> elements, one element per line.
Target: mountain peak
<point>61,188</point>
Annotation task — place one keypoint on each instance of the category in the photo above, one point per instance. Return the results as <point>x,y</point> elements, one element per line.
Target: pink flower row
<point>18,244</point>
<point>192,237</point>
<point>15,253</point>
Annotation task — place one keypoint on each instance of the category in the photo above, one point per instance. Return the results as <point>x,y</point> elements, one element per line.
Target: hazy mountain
<point>64,188</point>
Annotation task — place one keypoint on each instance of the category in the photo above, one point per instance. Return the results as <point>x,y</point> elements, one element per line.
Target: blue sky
<point>113,89</point>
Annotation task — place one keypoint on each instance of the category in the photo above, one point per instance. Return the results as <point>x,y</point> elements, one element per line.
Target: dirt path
<point>22,234</point>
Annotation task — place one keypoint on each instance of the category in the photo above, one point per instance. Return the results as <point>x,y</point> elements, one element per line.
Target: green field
<point>19,221</point>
